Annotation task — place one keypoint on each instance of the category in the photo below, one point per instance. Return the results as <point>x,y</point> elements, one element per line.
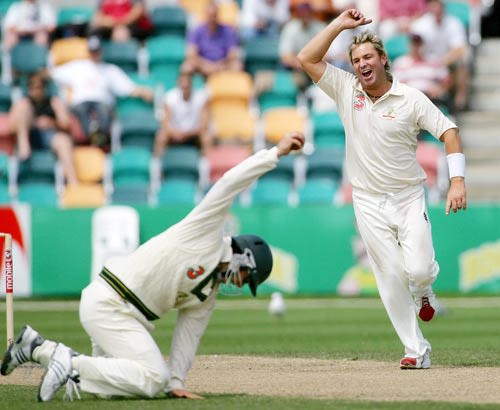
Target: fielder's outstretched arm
<point>311,56</point>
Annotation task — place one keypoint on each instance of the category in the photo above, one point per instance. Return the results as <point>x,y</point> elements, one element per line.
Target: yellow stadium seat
<point>65,50</point>
<point>228,12</point>
<point>279,121</point>
<point>233,122</point>
<point>233,87</point>
<point>90,164</point>
<point>197,8</point>
<point>83,196</point>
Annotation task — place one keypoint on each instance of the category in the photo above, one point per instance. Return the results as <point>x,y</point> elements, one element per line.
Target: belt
<point>127,294</point>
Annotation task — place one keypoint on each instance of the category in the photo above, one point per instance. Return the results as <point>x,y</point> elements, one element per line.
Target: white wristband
<point>456,164</point>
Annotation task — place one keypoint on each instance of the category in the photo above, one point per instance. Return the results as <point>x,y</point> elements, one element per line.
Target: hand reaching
<point>183,394</point>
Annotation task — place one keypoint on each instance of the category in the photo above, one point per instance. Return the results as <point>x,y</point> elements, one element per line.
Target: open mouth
<point>367,74</point>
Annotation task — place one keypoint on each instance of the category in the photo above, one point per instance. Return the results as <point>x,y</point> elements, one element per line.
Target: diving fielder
<point>181,268</point>
<point>382,119</point>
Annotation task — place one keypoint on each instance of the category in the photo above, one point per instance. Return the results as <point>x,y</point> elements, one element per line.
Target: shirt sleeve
<point>120,84</point>
<point>335,81</point>
<point>189,328</point>
<point>430,117</point>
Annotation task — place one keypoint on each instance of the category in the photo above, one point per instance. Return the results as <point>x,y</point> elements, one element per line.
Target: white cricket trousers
<point>126,360</point>
<point>397,234</point>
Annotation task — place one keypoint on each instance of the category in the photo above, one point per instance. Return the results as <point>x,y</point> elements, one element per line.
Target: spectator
<point>323,10</point>
<point>445,40</point>
<point>263,17</point>
<point>294,36</point>
<point>415,70</point>
<point>396,16</point>
<point>186,117</point>
<point>41,121</point>
<point>212,46</point>
<point>29,19</point>
<point>93,86</point>
<point>122,19</point>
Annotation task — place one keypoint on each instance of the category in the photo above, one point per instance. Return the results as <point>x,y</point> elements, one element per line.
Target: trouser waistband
<point>127,294</point>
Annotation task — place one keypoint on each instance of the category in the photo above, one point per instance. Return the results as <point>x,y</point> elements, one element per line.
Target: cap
<point>94,43</point>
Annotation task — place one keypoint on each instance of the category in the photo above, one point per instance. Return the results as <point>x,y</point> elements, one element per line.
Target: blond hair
<point>368,37</point>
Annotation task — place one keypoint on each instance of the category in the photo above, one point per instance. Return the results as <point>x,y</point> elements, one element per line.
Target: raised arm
<point>311,56</point>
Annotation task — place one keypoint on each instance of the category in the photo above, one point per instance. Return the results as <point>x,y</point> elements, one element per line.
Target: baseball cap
<point>94,43</point>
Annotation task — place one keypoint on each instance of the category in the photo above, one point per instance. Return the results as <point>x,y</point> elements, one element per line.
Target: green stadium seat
<point>130,195</point>
<point>74,15</point>
<point>169,20</point>
<point>285,170</point>
<point>38,193</point>
<point>130,166</point>
<point>325,163</point>
<point>283,93</point>
<point>124,54</point>
<point>27,57</point>
<point>397,46</point>
<point>177,191</point>
<point>327,128</point>
<point>5,97</point>
<point>318,191</point>
<point>165,51</point>
<point>138,128</point>
<point>461,9</point>
<point>271,192</point>
<point>39,167</point>
<point>261,53</point>
<point>181,161</point>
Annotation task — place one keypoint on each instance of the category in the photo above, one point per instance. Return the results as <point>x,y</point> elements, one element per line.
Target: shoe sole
<point>7,358</point>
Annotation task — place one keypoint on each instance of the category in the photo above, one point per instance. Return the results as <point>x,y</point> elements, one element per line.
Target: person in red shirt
<point>122,19</point>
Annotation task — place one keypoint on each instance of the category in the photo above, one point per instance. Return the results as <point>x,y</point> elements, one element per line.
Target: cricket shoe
<point>410,363</point>
<point>21,350</point>
<point>58,372</point>
<point>425,305</point>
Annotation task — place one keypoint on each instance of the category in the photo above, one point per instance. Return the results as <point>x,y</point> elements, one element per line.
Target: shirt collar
<point>395,89</point>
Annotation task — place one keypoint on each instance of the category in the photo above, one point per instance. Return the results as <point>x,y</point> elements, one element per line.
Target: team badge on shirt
<point>389,114</point>
<point>359,101</point>
<point>193,274</point>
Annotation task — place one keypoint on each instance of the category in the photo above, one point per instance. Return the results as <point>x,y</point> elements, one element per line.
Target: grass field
<point>468,334</point>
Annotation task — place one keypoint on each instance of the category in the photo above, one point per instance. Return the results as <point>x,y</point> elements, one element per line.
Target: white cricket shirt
<point>381,137</point>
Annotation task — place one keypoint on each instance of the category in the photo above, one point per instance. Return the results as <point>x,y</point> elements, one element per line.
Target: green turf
<point>466,335</point>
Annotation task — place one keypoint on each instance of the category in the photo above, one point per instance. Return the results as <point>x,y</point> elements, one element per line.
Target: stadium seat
<point>271,192</point>
<point>229,88</point>
<point>83,196</point>
<point>325,163</point>
<point>177,191</point>
<point>278,121</point>
<point>261,53</point>
<point>5,97</point>
<point>221,158</point>
<point>166,52</point>
<point>327,129</point>
<point>68,49</point>
<point>90,164</point>
<point>138,128</point>
<point>4,194</point>
<point>397,46</point>
<point>130,195</point>
<point>234,123</point>
<point>285,170</point>
<point>228,12</point>
<point>283,92</point>
<point>169,20</point>
<point>74,15</point>
<point>196,8</point>
<point>131,166</point>
<point>318,191</point>
<point>128,105</point>
<point>4,178</point>
<point>39,167</point>
<point>124,54</point>
<point>38,193</point>
<point>460,9</point>
<point>27,57</point>
<point>181,161</point>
